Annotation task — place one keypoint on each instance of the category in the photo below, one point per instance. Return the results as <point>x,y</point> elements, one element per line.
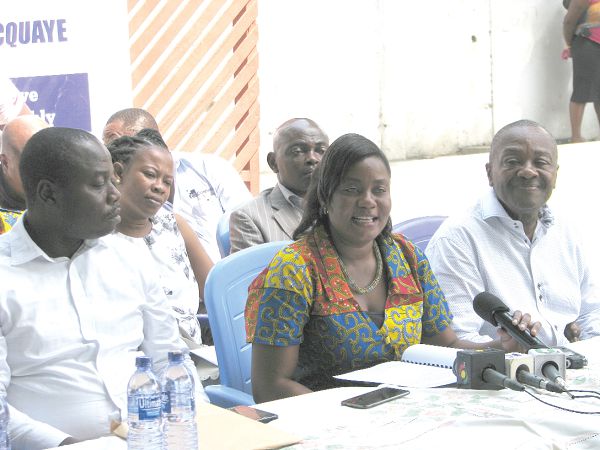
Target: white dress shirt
<point>206,186</point>
<point>486,250</point>
<point>70,331</point>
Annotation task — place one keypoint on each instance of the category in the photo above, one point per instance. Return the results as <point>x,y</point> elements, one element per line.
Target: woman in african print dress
<point>347,294</point>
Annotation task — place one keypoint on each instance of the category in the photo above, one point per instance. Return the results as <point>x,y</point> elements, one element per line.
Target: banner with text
<point>69,66</point>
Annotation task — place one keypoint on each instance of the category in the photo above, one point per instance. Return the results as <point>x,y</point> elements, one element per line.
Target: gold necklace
<point>373,284</point>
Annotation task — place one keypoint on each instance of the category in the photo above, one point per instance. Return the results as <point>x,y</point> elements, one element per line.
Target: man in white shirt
<point>206,185</point>
<point>77,305</point>
<point>512,245</point>
<point>298,146</point>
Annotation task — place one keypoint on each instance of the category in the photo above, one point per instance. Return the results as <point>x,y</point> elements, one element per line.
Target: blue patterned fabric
<point>302,298</point>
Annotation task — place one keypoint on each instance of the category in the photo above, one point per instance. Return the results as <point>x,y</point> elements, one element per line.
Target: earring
<point>117,181</point>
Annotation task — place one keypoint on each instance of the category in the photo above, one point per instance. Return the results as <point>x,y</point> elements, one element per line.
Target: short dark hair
<point>523,123</point>
<point>132,117</point>
<point>342,154</point>
<point>154,136</point>
<point>49,155</point>
<point>122,149</point>
<point>288,124</point>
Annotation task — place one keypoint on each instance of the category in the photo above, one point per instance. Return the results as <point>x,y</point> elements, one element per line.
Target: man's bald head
<point>296,126</point>
<point>16,134</point>
<point>127,122</point>
<point>298,145</point>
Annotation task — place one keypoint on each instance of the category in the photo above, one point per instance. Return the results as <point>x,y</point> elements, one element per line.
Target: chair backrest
<point>420,229</point>
<point>223,241</point>
<point>225,294</point>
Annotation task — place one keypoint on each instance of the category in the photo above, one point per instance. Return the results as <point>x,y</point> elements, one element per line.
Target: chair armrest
<point>227,397</point>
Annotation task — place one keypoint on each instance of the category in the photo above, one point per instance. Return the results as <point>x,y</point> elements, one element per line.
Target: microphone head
<point>486,305</point>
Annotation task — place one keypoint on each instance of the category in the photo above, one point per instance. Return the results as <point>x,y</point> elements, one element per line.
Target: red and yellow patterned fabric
<point>302,298</point>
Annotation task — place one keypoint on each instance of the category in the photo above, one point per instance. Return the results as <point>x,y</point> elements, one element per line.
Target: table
<point>436,418</point>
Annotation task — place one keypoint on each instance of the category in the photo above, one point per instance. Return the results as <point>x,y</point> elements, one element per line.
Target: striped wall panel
<point>194,66</point>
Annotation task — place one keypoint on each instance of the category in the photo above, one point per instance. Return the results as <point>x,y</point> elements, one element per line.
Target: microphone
<point>483,369</point>
<point>491,309</point>
<point>520,367</point>
<point>494,377</point>
<point>529,379</point>
<point>550,363</point>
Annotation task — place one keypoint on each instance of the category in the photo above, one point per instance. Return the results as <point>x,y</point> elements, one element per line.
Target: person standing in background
<point>581,31</point>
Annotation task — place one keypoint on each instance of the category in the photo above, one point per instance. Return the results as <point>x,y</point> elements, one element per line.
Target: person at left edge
<point>14,137</point>
<point>76,305</point>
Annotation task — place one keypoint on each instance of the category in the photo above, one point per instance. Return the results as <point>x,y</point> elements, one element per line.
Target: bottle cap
<point>176,356</point>
<point>143,361</point>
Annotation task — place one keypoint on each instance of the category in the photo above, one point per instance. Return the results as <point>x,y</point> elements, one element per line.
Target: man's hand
<point>523,322</point>
<point>572,332</point>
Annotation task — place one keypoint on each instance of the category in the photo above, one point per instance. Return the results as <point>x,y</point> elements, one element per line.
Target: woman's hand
<point>566,53</point>
<point>523,322</point>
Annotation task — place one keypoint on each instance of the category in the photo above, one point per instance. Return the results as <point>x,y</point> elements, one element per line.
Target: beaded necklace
<point>378,274</point>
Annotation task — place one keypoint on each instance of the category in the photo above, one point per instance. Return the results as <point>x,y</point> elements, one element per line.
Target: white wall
<point>419,78</point>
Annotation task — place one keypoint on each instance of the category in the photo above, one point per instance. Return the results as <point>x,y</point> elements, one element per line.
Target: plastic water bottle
<point>179,406</point>
<point>4,418</point>
<point>144,404</point>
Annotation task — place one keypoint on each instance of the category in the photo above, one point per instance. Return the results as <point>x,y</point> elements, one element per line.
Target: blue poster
<point>60,100</point>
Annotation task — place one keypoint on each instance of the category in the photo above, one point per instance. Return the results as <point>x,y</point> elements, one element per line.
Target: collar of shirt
<point>24,249</point>
<point>491,207</point>
<point>293,199</point>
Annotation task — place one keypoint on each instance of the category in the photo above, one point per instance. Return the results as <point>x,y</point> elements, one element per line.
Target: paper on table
<point>221,429</point>
<point>215,427</point>
<point>422,365</point>
<point>403,374</point>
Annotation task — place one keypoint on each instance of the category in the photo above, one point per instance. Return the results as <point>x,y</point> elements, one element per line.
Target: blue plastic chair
<point>420,229</point>
<point>225,294</point>
<point>223,241</point>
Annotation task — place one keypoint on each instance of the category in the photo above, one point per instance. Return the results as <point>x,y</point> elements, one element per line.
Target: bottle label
<point>166,403</point>
<point>147,407</point>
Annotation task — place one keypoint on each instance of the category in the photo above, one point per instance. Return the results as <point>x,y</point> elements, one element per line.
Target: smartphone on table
<point>376,397</point>
<point>254,413</point>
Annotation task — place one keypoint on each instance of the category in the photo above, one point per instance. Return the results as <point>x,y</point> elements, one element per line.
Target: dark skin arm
<point>273,367</point>
<point>575,11</point>
<point>448,337</point>
<point>272,370</point>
